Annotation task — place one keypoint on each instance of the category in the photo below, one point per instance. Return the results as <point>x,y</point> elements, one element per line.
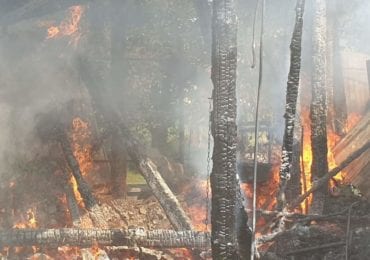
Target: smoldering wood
<point>105,237</point>
<point>73,206</point>
<point>324,180</point>
<point>291,105</point>
<point>168,201</point>
<point>83,188</point>
<point>301,240</point>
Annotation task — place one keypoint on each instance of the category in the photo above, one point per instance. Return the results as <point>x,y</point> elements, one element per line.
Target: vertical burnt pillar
<point>223,176</point>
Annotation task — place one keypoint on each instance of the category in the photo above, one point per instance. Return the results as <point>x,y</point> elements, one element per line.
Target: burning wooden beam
<point>105,237</point>
<point>72,206</point>
<point>82,186</point>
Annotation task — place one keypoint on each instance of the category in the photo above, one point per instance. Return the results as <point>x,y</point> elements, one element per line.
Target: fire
<point>29,222</point>
<point>77,194</point>
<point>333,139</point>
<point>306,156</point>
<point>81,136</point>
<point>69,26</point>
<point>81,147</point>
<point>266,192</point>
<point>353,119</point>
<point>197,209</point>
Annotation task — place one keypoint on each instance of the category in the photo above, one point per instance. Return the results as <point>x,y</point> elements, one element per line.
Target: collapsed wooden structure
<point>349,149</point>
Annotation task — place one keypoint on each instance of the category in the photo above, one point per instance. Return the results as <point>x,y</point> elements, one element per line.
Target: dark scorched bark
<point>223,176</point>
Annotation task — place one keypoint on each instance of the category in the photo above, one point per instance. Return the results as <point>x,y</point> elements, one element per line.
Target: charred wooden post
<point>223,176</point>
<point>83,187</point>
<point>161,191</point>
<point>291,104</point>
<point>318,112</point>
<point>104,237</point>
<point>294,185</point>
<point>243,232</point>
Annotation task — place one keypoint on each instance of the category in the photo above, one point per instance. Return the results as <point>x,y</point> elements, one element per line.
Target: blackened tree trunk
<point>291,104</point>
<point>318,112</point>
<point>223,176</point>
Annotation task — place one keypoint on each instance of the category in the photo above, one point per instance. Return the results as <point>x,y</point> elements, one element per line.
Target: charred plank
<point>104,237</point>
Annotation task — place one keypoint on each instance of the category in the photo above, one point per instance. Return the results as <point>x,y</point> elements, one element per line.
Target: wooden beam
<point>171,206</point>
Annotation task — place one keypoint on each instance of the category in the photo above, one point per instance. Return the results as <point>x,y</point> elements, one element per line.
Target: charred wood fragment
<point>104,237</point>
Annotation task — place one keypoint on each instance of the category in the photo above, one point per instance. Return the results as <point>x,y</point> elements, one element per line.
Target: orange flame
<point>353,119</point>
<point>332,139</point>
<point>266,192</point>
<point>69,26</point>
<point>197,206</point>
<point>307,155</point>
<point>81,136</point>
<point>29,222</point>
